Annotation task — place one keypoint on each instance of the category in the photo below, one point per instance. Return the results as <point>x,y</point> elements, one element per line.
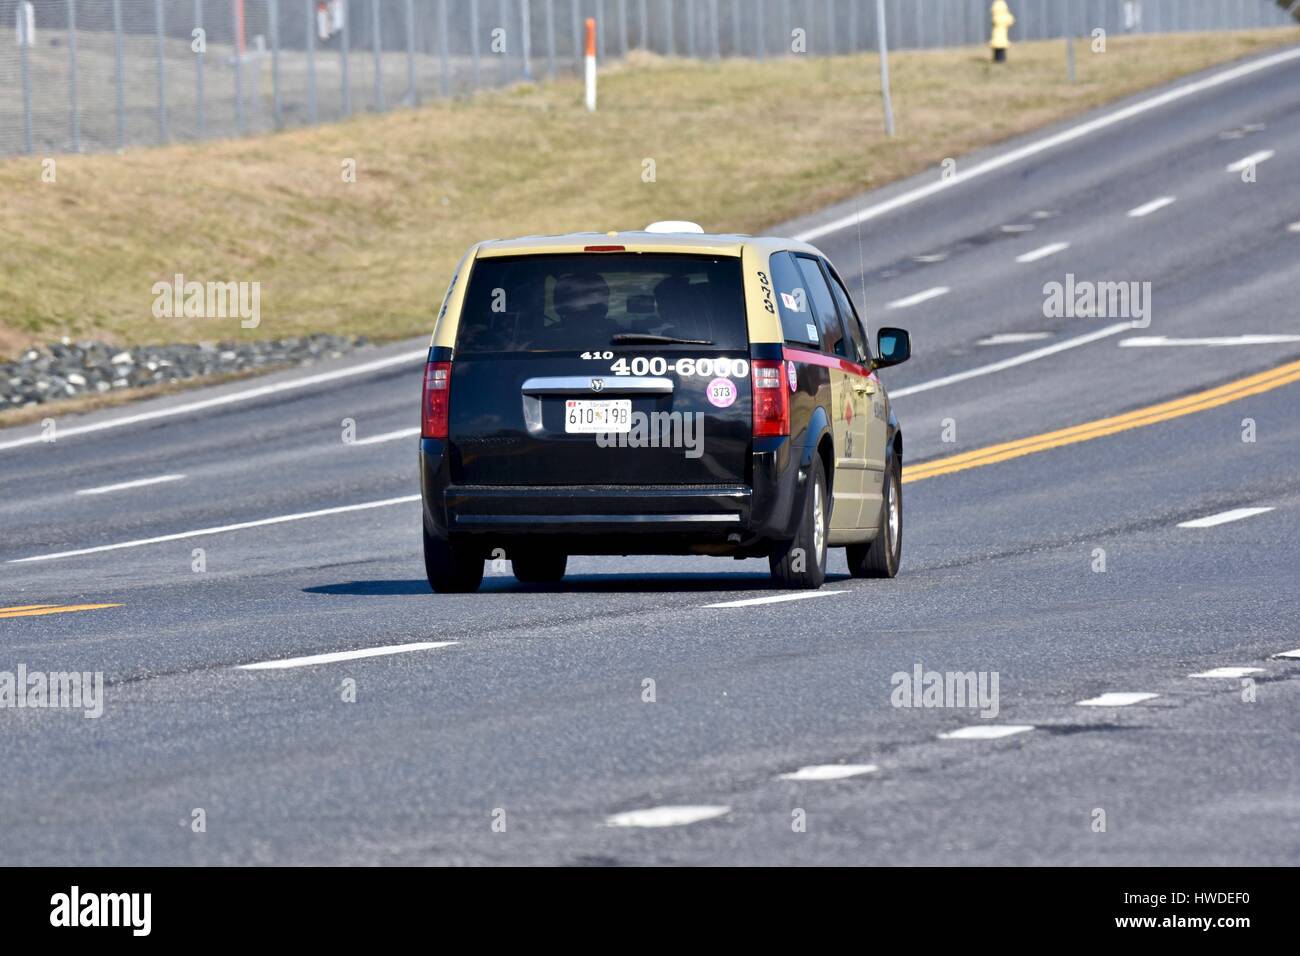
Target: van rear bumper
<point>739,515</point>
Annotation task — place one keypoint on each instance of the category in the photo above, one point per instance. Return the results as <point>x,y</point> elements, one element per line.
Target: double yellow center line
<point>1189,404</point>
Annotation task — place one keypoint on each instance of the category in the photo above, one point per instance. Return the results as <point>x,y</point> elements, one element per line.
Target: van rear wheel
<point>802,562</point>
<point>452,568</point>
<point>539,568</point>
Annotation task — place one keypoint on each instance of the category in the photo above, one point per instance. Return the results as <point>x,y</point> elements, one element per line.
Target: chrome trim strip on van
<point>597,385</point>
<point>597,519</point>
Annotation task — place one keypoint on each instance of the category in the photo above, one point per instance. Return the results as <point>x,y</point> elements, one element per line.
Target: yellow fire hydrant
<point>1002,22</point>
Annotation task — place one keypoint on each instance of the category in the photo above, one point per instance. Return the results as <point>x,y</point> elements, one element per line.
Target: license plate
<point>588,416</point>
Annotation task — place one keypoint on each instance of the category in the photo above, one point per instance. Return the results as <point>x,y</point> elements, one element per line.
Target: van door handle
<point>595,385</point>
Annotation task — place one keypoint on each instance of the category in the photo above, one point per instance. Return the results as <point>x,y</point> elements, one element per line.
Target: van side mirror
<point>893,347</point>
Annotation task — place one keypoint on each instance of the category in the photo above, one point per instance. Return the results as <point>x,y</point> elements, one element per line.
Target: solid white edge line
<point>986,731</point>
<point>1012,362</point>
<point>1117,698</point>
<point>666,816</point>
<point>221,529</point>
<point>123,485</point>
<point>1050,142</point>
<point>1042,252</point>
<point>1228,673</point>
<point>1223,517</point>
<point>1288,655</point>
<point>908,301</point>
<point>776,599</point>
<point>244,396</point>
<point>1254,159</point>
<point>336,656</point>
<point>830,771</point>
<point>1154,205</point>
<point>388,436</point>
<point>1014,338</point>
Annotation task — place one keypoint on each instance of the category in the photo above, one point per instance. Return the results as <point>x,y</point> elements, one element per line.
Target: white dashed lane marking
<point>1254,159</point>
<point>337,656</point>
<point>388,436</point>
<point>1117,699</point>
<point>220,529</point>
<point>1288,655</point>
<point>1042,252</point>
<point>986,731</point>
<point>666,816</point>
<point>1154,205</point>
<point>1014,338</point>
<point>1236,514</point>
<point>908,301</point>
<point>1228,672</point>
<point>777,598</point>
<point>124,485</point>
<point>1021,359</point>
<point>830,771</point>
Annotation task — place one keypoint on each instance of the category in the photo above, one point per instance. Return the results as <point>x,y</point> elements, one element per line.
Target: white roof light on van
<point>676,226</point>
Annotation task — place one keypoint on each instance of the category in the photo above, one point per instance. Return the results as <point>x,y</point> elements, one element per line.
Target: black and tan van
<point>656,392</point>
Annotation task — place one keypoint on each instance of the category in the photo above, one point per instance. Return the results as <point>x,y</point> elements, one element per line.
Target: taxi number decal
<point>769,305</point>
<point>705,367</point>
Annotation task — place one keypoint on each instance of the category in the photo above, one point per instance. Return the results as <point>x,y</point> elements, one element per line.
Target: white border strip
<point>1030,150</point>
<point>287,662</point>
<point>124,485</point>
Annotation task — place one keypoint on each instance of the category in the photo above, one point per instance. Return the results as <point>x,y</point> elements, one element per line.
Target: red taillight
<point>433,405</point>
<point>771,400</point>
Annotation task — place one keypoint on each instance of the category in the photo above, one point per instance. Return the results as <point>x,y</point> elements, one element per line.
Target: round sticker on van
<point>791,376</point>
<point>722,392</point>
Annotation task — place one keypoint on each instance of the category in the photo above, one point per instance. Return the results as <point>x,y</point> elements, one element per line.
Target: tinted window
<point>797,320</point>
<point>828,320</point>
<point>851,321</point>
<point>579,302</point>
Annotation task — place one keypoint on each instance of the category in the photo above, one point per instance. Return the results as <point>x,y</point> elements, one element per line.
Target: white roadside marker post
<point>591,64</point>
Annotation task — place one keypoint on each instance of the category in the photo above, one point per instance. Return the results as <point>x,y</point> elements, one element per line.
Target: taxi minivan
<point>656,392</point>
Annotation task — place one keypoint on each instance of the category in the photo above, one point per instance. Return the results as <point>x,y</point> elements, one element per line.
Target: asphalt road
<point>525,736</point>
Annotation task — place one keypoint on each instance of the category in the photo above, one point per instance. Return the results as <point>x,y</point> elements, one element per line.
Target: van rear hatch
<point>602,368</point>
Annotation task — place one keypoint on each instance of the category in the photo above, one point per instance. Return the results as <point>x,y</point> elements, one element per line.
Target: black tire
<point>539,568</point>
<point>801,563</point>
<point>880,558</point>
<point>451,568</point>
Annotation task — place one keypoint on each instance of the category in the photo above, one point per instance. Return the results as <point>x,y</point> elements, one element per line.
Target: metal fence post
<point>577,33</point>
<point>550,38</point>
<point>715,33</point>
<point>884,67</point>
<point>24,67</point>
<point>74,116</point>
<point>622,28</point>
<point>310,43</point>
<point>643,12</point>
<point>277,112</point>
<point>377,54</point>
<point>238,61</point>
<point>503,66</point>
<point>344,56</point>
<point>412,90</point>
<point>160,32</point>
<point>526,49</point>
<point>117,74</point>
<point>759,30</point>
<point>690,28</point>
<point>444,49</point>
<point>830,26</point>
<point>475,55</point>
<point>735,28</point>
<point>670,47</point>
<point>787,26</point>
<point>200,120</point>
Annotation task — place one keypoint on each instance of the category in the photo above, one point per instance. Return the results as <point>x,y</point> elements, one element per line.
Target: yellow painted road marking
<point>35,610</point>
<point>1187,405</point>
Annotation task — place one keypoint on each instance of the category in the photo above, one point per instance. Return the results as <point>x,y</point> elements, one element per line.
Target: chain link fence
<point>85,75</point>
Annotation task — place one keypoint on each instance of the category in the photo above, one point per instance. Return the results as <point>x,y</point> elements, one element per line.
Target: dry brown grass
<point>738,146</point>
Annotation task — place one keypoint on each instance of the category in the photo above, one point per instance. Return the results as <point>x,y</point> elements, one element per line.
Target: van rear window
<point>582,302</point>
